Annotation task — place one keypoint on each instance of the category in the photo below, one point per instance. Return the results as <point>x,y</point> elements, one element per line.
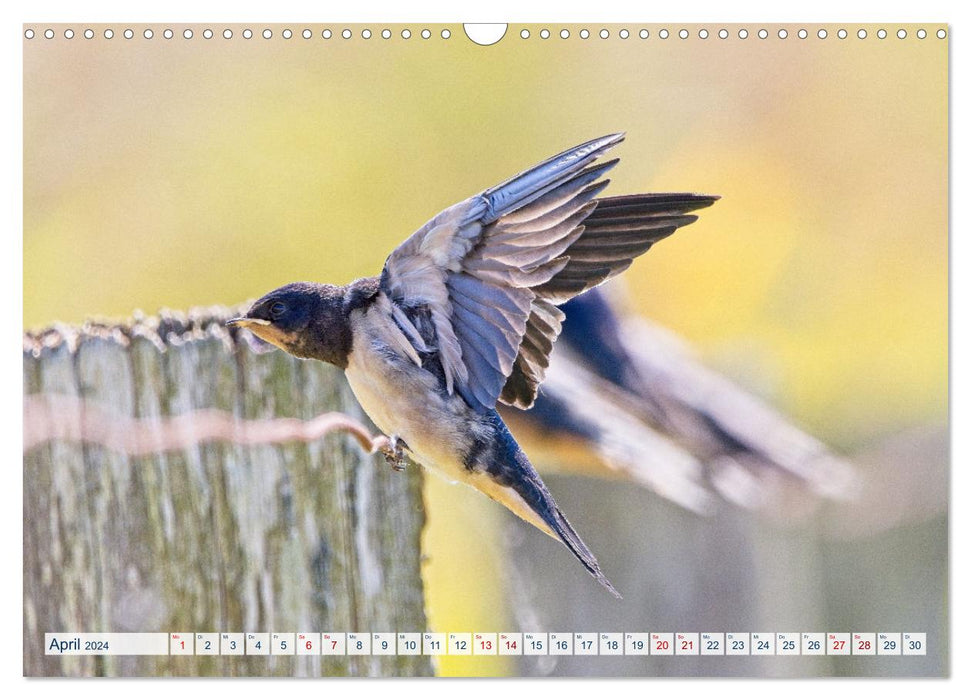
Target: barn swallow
<point>465,314</point>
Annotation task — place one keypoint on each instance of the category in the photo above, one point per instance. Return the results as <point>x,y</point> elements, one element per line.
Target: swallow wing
<point>478,285</point>
<point>618,230</point>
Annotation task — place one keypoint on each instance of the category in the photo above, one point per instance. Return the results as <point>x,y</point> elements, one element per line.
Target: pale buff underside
<point>404,400</point>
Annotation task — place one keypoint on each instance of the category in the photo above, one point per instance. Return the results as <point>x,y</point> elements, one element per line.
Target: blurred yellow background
<point>190,172</point>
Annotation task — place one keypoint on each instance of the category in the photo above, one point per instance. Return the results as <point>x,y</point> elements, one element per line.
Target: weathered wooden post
<point>216,536</point>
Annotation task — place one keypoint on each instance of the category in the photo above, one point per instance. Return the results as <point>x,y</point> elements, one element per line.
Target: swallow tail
<point>510,479</point>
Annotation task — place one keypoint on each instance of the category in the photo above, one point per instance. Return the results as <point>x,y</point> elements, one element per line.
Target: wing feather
<point>488,378</point>
<point>560,203</point>
<point>487,338</point>
<point>492,268</point>
<point>532,184</point>
<point>526,257</point>
<point>500,274</point>
<point>508,323</point>
<point>515,301</point>
<point>538,233</point>
<point>529,370</point>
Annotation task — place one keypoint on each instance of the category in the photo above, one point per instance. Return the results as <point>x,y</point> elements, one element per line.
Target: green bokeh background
<point>175,173</point>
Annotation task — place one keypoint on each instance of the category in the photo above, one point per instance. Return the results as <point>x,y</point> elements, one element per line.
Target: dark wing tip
<point>604,141</point>
<point>609,586</point>
<point>701,201</point>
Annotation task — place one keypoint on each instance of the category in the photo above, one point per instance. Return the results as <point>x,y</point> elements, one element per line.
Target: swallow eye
<point>277,309</point>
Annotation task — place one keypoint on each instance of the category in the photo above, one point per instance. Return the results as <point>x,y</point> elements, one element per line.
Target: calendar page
<point>540,349</point>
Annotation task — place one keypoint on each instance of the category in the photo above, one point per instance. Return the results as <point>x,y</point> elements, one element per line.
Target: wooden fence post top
<point>183,516</point>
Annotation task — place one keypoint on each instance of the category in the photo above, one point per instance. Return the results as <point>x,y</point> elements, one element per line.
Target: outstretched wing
<point>478,285</point>
<point>616,232</point>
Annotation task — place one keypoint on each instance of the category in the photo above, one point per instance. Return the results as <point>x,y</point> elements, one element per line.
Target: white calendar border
<point>498,10</point>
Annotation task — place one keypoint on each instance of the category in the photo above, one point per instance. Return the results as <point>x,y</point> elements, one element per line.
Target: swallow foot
<point>394,452</point>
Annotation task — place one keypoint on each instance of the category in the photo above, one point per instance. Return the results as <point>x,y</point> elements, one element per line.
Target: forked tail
<point>515,484</point>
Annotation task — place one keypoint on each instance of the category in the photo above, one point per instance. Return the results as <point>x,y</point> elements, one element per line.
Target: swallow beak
<point>264,330</point>
<point>245,322</point>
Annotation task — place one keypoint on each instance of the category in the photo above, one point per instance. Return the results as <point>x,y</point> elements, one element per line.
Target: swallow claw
<point>394,453</point>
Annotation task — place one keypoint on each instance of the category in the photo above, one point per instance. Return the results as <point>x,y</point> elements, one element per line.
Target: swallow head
<point>305,319</point>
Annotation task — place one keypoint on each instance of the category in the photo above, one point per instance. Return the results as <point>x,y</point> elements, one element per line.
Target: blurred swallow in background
<point>465,314</point>
<point>624,398</point>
